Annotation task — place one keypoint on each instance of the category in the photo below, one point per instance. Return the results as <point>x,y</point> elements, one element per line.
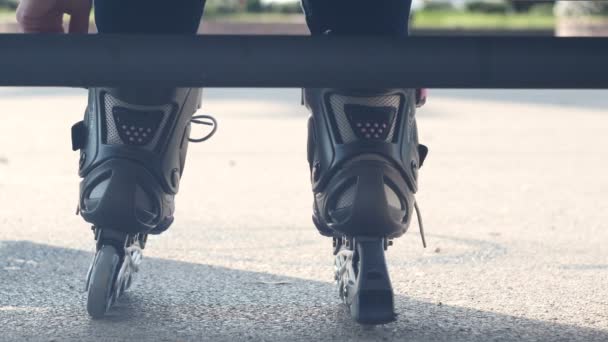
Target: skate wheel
<point>128,282</point>
<point>101,282</point>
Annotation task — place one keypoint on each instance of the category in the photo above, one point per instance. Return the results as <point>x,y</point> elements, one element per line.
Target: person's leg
<point>133,144</point>
<point>364,157</point>
<point>378,17</point>
<point>148,16</point>
<point>360,129</point>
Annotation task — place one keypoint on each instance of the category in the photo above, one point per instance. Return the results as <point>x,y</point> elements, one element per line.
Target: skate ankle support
<point>133,145</point>
<point>364,158</point>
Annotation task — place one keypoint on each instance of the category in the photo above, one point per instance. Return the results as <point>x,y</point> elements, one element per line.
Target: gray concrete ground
<point>513,195</point>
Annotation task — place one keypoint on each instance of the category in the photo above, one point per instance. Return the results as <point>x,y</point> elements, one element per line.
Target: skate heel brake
<point>363,280</point>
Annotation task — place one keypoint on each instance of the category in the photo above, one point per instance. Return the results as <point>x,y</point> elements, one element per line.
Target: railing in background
<point>294,61</point>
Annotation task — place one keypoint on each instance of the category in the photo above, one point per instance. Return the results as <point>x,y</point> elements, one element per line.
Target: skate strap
<point>79,136</point>
<point>423,151</point>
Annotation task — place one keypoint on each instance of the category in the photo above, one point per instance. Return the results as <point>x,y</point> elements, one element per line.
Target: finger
<point>35,16</point>
<point>80,12</point>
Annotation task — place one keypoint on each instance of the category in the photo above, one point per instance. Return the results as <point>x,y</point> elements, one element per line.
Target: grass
<point>468,20</point>
<point>422,19</point>
<point>256,17</point>
<point>6,15</point>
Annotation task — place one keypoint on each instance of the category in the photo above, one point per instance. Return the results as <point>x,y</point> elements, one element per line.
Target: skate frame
<point>300,61</point>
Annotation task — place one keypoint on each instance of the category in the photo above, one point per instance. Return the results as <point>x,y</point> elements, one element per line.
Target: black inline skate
<point>133,145</point>
<point>364,157</point>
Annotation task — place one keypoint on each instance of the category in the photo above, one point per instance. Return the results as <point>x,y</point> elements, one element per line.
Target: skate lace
<point>420,225</point>
<point>206,120</point>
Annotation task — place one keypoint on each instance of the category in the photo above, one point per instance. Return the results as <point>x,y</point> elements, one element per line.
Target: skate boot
<point>133,145</point>
<point>364,157</point>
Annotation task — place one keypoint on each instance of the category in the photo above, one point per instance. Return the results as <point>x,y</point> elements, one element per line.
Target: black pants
<point>381,17</point>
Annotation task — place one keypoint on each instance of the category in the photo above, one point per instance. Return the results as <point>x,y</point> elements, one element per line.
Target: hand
<point>46,16</point>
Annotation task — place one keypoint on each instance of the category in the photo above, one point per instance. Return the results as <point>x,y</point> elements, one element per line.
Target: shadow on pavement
<point>42,298</point>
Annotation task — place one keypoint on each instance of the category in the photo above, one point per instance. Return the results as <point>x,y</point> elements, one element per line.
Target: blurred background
<point>513,196</point>
<point>538,17</point>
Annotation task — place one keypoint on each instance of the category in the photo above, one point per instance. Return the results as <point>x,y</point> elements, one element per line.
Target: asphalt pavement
<point>513,194</point>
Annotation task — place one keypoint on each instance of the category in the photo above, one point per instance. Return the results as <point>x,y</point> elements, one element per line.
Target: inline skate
<point>133,145</point>
<point>364,157</point>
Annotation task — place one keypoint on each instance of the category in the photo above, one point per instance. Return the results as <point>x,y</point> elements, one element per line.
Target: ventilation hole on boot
<point>339,207</point>
<point>370,122</point>
<point>392,198</point>
<point>95,192</point>
<point>346,198</point>
<point>134,122</point>
<point>123,120</point>
<point>145,210</point>
<point>377,112</point>
<point>142,199</point>
<point>99,190</point>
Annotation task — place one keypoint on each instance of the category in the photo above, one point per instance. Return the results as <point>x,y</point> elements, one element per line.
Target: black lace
<point>420,225</point>
<point>207,120</point>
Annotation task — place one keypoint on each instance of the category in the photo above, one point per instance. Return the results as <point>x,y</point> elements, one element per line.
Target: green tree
<point>11,4</point>
<point>223,6</point>
<point>254,6</point>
